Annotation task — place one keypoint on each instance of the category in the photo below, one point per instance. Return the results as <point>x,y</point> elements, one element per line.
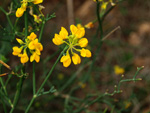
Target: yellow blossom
<point>63,33</point>
<point>76,59</point>
<point>118,70</point>
<point>31,43</point>
<point>83,42</point>
<point>66,60</point>
<point>23,57</point>
<point>60,76</point>
<point>19,41</point>
<point>112,3</point>
<point>35,56</point>
<point>32,36</point>
<point>89,25</point>
<point>20,12</point>
<point>35,45</point>
<point>24,5</point>
<point>85,53</point>
<point>37,18</point>
<point>82,85</point>
<point>78,32</point>
<point>104,5</point>
<point>57,40</point>
<point>16,51</point>
<point>37,1</point>
<point>79,26</point>
<point>75,42</point>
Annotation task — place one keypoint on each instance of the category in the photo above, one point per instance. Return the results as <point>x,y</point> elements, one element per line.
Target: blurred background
<point>127,47</point>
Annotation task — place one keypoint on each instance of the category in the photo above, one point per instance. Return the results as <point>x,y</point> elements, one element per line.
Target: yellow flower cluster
<point>20,11</point>
<point>118,70</point>
<point>104,4</point>
<point>73,41</point>
<point>35,48</point>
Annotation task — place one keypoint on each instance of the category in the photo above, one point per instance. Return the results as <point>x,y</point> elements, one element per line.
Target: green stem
<point>100,43</point>
<point>107,12</point>
<point>45,80</point>
<point>42,28</point>
<point>7,16</point>
<point>18,93</point>
<point>3,86</point>
<point>26,23</point>
<point>4,106</point>
<point>34,83</point>
<point>99,19</point>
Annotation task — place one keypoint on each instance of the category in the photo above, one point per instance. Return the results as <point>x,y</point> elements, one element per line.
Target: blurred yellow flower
<point>66,60</point>
<point>82,85</point>
<point>37,18</point>
<point>118,70</point>
<point>32,36</point>
<point>85,53</point>
<point>20,12</point>
<point>24,3</point>
<point>89,25</point>
<point>104,5</point>
<point>35,56</point>
<point>127,104</point>
<point>76,59</point>
<point>23,57</point>
<point>60,76</point>
<point>79,26</point>
<point>16,51</point>
<point>73,41</point>
<point>35,48</point>
<point>37,1</point>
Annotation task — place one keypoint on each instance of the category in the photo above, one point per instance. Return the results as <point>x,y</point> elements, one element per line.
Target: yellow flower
<point>75,42</point>
<point>89,25</point>
<point>23,57</point>
<point>112,3</point>
<point>37,18</point>
<point>19,41</point>
<point>83,42</point>
<point>37,1</point>
<point>85,53</point>
<point>32,36</point>
<point>63,33</point>
<point>104,5</point>
<point>24,5</point>
<point>57,40</point>
<point>76,59</point>
<point>60,76</point>
<point>78,32</point>
<point>118,70</point>
<point>20,12</point>
<point>82,85</point>
<point>16,51</point>
<point>35,56</point>
<point>79,26</point>
<point>66,60</point>
<point>31,43</point>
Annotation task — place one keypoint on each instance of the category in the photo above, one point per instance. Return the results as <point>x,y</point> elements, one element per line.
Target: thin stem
<point>3,86</point>
<point>34,83</point>
<point>51,70</point>
<point>99,19</point>
<point>4,106</point>
<point>100,43</point>
<point>18,93</point>
<point>42,28</point>
<point>45,80</point>
<point>7,16</point>
<point>26,23</point>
